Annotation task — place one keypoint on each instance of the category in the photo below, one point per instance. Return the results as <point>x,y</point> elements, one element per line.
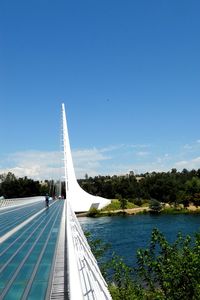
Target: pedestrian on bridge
<point>47,200</point>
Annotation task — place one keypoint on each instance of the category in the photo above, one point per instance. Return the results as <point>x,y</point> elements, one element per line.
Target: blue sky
<point>127,71</point>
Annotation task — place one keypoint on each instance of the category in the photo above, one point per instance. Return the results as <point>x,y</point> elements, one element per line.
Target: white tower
<point>80,200</point>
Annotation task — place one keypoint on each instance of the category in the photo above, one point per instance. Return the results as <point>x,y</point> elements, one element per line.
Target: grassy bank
<point>114,209</point>
<point>175,211</point>
<point>138,210</point>
<point>116,205</point>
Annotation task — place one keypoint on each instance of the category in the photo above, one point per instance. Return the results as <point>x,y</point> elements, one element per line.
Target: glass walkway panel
<point>27,257</point>
<point>10,218</point>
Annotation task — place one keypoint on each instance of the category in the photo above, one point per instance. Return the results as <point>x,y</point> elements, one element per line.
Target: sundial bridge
<point>44,253</point>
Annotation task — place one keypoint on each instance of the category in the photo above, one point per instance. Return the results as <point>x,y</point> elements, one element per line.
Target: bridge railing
<point>84,276</point>
<point>19,201</point>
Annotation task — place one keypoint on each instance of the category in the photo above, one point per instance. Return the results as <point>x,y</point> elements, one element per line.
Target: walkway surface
<point>27,256</point>
<point>11,217</point>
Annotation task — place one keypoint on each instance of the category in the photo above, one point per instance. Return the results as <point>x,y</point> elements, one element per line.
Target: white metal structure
<point>4,203</point>
<point>85,280</point>
<point>79,199</point>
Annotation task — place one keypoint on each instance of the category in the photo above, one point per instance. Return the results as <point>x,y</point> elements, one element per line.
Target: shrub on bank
<point>116,205</point>
<point>93,212</point>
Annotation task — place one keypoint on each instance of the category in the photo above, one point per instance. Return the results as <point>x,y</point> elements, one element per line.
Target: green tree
<point>196,199</point>
<point>123,202</point>
<point>164,271</point>
<point>122,285</point>
<point>155,206</point>
<point>172,269</point>
<point>192,186</point>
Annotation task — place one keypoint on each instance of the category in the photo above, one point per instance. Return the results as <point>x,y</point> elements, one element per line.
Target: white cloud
<point>162,159</point>
<point>189,164</point>
<point>152,166</point>
<point>192,147</point>
<point>142,153</point>
<point>88,155</point>
<point>139,146</point>
<point>115,159</point>
<point>188,147</point>
<point>46,165</point>
<point>34,164</point>
<point>88,161</point>
<point>112,148</point>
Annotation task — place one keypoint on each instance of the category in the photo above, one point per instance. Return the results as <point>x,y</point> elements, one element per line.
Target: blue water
<point>129,233</point>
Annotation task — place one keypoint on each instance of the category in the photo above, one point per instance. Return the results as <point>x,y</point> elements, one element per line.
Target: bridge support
<point>80,200</point>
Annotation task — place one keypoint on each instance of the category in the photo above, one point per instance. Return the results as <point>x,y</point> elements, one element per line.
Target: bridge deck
<point>27,257</point>
<point>12,217</point>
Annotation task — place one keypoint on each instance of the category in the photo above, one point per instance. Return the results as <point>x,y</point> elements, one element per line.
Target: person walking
<point>47,200</point>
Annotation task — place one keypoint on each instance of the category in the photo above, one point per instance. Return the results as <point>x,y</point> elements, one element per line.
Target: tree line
<point>171,187</point>
<point>14,187</point>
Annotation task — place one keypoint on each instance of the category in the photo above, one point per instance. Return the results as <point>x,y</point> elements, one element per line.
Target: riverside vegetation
<point>163,271</point>
<point>173,187</point>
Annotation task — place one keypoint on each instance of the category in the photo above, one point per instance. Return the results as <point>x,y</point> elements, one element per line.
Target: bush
<point>137,202</point>
<point>172,269</point>
<point>164,271</point>
<point>123,286</point>
<point>114,205</point>
<point>155,206</point>
<point>93,212</point>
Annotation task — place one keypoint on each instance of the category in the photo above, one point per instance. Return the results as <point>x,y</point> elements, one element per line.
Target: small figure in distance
<point>47,200</point>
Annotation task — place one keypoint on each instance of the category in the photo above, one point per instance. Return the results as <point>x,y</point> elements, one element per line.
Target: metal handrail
<point>85,278</point>
<point>19,201</point>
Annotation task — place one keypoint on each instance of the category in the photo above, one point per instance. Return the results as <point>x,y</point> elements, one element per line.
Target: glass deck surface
<point>10,218</point>
<point>26,258</point>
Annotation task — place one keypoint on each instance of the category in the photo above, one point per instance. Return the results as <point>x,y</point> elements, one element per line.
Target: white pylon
<point>80,200</point>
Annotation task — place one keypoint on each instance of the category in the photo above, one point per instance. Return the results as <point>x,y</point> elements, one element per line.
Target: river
<point>126,234</point>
